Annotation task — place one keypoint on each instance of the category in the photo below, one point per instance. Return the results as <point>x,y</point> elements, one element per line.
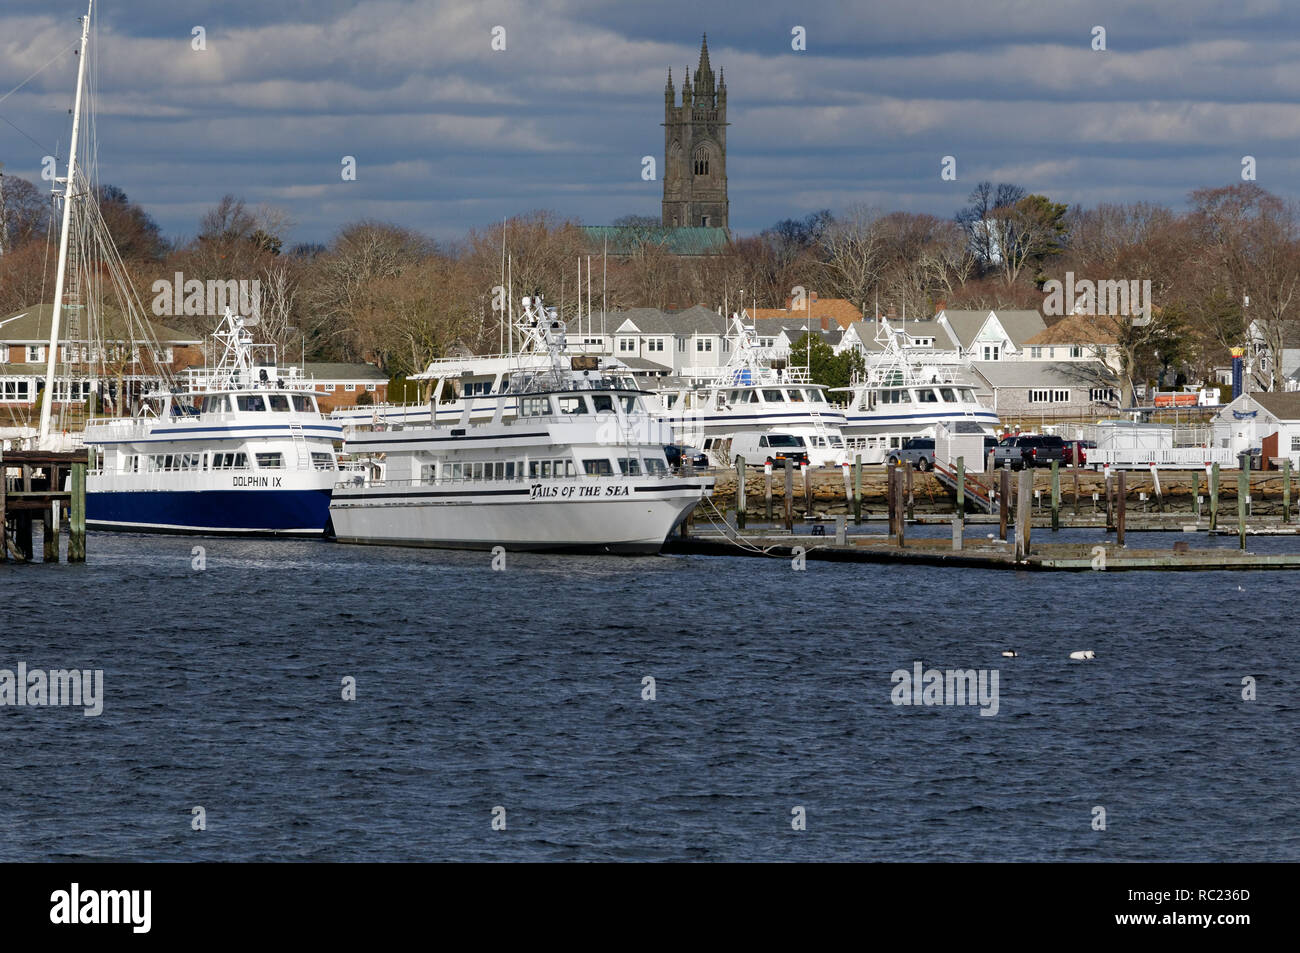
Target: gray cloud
<point>450,135</point>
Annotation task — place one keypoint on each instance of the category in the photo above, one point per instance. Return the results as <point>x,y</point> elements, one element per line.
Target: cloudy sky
<point>449,134</point>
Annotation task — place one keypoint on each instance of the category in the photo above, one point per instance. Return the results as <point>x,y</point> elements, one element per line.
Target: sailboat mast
<point>56,313</point>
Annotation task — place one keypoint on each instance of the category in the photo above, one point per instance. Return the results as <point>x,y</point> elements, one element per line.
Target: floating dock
<point>976,553</point>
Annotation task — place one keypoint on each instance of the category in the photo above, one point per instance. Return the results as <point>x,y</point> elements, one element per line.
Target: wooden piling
<point>1196,494</point>
<point>1155,487</point>
<point>1121,507</point>
<point>857,490</point>
<point>848,486</point>
<point>899,491</point>
<point>807,492</point>
<point>789,495</point>
<point>740,492</point>
<point>1243,496</point>
<point>911,499</point>
<point>1286,490</point>
<point>961,488</point>
<point>1004,503</point>
<point>1110,508</point>
<point>77,515</point>
<point>1076,485</point>
<point>767,491</point>
<point>50,535</point>
<point>4,525</point>
<point>1024,516</point>
<point>1056,497</point>
<point>1214,497</point>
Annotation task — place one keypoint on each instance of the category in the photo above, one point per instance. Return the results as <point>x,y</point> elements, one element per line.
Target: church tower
<point>695,149</point>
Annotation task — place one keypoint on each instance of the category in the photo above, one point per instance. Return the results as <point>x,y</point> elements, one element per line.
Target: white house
<point>1268,420</point>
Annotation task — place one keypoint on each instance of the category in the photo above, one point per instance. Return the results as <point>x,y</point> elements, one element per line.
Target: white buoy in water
<point>1009,654</point>
<point>1086,654</point>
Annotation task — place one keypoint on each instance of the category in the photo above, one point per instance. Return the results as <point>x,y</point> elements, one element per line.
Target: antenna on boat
<point>55,314</point>
<point>604,305</point>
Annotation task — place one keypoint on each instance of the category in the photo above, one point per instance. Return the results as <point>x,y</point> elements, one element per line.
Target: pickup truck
<point>1029,450</point>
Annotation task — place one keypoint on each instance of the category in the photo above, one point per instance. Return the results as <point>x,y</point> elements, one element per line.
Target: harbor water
<point>521,695</point>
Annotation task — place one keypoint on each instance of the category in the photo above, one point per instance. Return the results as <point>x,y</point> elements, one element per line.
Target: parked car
<point>693,458</point>
<point>1084,446</point>
<point>918,451</point>
<point>759,449</point>
<point>1029,450</point>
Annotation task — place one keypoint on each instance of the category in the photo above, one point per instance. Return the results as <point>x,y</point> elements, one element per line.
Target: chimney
<point>891,314</point>
<point>826,323</point>
<point>940,306</point>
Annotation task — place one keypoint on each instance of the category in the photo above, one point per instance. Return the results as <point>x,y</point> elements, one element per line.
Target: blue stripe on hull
<point>212,511</point>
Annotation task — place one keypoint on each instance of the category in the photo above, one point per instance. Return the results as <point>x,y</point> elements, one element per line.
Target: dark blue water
<point>522,689</point>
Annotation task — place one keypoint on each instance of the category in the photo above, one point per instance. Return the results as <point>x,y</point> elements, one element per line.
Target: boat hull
<point>297,512</point>
<point>514,517</point>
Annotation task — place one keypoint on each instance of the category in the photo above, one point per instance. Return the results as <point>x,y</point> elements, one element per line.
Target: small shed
<point>1264,420</point>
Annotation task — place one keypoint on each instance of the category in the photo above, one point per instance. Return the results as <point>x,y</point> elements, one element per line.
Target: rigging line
<point>24,134</point>
<point>41,70</point>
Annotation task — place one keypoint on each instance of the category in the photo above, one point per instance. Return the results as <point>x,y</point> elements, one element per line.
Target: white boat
<point>240,453</point>
<point>580,466</point>
<point>755,392</point>
<point>901,397</point>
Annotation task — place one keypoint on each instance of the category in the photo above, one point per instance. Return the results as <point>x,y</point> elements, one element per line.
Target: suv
<point>918,451</point>
<point>1029,450</point>
<point>1084,446</point>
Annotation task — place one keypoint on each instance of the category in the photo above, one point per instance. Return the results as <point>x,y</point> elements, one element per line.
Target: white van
<point>759,449</point>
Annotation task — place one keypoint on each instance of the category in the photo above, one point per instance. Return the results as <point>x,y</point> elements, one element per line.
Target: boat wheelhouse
<point>901,397</point>
<point>578,466</point>
<point>238,453</point>
<point>756,392</point>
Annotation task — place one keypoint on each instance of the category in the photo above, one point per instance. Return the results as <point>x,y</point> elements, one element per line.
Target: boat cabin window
<point>795,395</point>
<point>230,461</point>
<point>836,441</point>
<point>604,403</point>
<point>948,395</point>
<point>968,395</point>
<point>629,404</point>
<point>250,402</point>
<point>572,405</point>
<point>597,467</point>
<point>655,467</point>
<point>215,404</point>
<point>279,402</point>
<point>630,466</point>
<point>270,461</point>
<point>773,396</point>
<point>322,461</point>
<point>814,395</point>
<point>895,397</point>
<point>304,404</point>
<point>927,396</point>
<point>534,406</point>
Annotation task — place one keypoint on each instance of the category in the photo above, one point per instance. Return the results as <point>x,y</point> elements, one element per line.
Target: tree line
<point>391,295</point>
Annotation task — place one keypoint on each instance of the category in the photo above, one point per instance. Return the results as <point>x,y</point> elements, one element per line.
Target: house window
<point>349,387</point>
<point>1295,443</point>
<point>1102,395</point>
<point>1035,352</point>
<point>681,344</point>
<point>655,344</point>
<point>992,352</point>
<point>4,353</point>
<point>704,344</point>
<point>626,345</point>
<point>33,354</point>
<point>1076,351</point>
<point>1049,396</point>
<point>15,391</point>
<point>371,387</point>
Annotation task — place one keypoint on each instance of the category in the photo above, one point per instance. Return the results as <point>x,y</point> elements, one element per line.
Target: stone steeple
<point>695,149</point>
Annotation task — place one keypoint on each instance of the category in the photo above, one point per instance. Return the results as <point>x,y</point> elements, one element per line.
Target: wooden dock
<point>42,486</point>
